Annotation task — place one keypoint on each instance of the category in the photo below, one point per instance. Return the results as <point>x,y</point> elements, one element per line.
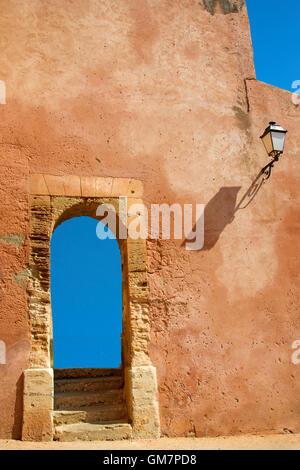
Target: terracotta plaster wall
<point>224,318</point>
<point>164,92</point>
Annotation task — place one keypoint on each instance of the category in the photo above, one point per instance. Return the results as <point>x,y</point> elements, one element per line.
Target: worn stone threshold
<point>93,432</point>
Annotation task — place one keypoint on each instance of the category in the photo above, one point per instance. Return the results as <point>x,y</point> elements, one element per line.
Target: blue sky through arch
<point>86,296</point>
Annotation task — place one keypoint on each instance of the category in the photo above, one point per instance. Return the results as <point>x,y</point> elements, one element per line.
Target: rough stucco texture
<point>164,92</point>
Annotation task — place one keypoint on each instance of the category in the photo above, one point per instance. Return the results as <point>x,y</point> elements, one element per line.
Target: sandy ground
<point>276,442</point>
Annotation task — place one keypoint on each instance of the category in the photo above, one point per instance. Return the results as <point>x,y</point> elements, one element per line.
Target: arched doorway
<point>48,210</point>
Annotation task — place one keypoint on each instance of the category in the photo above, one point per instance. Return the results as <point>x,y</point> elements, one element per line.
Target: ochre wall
<point>164,92</point>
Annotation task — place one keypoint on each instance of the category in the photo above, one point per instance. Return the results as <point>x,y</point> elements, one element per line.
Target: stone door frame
<point>53,200</point>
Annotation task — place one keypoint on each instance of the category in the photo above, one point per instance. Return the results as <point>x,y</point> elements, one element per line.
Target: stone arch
<point>53,202</point>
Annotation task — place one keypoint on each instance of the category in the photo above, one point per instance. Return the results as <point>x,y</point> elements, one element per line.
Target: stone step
<point>88,384</point>
<point>85,372</point>
<point>92,432</point>
<point>97,414</point>
<point>76,400</point>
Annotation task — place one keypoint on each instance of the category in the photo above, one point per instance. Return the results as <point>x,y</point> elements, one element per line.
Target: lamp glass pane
<point>268,142</point>
<point>278,139</point>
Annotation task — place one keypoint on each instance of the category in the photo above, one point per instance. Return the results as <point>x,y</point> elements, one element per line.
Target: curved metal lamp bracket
<point>267,170</point>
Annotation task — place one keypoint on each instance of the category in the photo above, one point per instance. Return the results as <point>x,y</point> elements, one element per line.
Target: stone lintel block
<point>72,185</point>
<point>88,186</point>
<point>37,425</point>
<point>38,184</point>
<point>55,185</point>
<point>119,187</point>
<point>103,187</point>
<point>143,406</point>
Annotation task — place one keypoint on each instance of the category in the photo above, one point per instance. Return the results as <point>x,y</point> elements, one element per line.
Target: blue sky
<point>86,296</point>
<point>275,31</point>
<point>86,282</point>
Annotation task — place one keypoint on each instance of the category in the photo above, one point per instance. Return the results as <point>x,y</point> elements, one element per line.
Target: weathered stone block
<point>38,389</point>
<point>120,187</point>
<point>143,406</point>
<point>88,184</point>
<point>72,185</point>
<point>37,425</point>
<point>136,255</point>
<point>40,351</point>
<point>38,185</point>
<point>138,286</point>
<point>103,187</point>
<point>55,185</point>
<point>37,405</point>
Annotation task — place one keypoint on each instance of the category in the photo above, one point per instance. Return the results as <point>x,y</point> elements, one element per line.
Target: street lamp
<point>273,139</point>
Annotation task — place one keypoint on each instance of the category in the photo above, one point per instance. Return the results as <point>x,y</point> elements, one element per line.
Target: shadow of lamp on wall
<point>273,139</point>
<point>221,209</point>
<point>218,213</point>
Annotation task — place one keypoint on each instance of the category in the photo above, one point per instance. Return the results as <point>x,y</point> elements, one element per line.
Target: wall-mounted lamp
<point>273,139</point>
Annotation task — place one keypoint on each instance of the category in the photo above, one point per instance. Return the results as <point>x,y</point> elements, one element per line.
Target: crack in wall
<point>247,94</point>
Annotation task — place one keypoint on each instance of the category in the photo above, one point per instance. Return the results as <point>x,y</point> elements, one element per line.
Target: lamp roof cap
<point>273,127</point>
